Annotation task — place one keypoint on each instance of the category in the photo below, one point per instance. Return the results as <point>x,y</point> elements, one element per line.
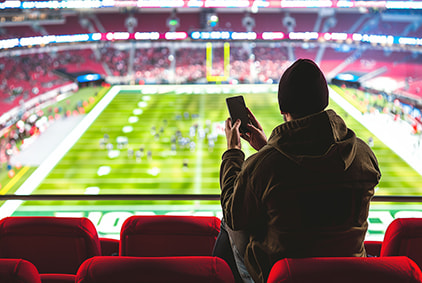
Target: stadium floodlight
<point>212,20</point>
<point>173,22</point>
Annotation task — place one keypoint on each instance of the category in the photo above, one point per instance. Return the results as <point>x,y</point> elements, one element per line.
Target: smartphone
<point>237,110</point>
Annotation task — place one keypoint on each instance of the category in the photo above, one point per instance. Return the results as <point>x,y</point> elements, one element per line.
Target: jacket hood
<point>320,142</point>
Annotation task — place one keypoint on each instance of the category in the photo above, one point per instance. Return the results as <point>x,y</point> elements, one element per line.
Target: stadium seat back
<point>164,235</point>
<point>52,244</point>
<point>106,269</point>
<point>18,271</point>
<point>345,270</point>
<point>403,237</point>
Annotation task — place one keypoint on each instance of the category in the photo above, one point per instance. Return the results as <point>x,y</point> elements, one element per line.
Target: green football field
<point>172,144</point>
<point>169,140</point>
<point>153,122</point>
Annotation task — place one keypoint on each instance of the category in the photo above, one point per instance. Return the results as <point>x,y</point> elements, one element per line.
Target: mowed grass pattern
<point>140,117</point>
<point>164,173</point>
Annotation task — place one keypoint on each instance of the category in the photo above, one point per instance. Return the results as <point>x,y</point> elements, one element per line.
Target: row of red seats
<point>123,269</point>
<point>103,269</point>
<point>173,247</point>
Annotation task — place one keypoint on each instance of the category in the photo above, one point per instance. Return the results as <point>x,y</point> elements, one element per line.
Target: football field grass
<point>171,144</point>
<point>179,139</point>
<point>169,140</point>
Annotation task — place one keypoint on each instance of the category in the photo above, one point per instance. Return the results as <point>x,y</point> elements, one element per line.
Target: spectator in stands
<point>306,192</point>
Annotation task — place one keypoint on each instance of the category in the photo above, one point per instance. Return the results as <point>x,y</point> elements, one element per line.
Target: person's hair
<point>302,89</point>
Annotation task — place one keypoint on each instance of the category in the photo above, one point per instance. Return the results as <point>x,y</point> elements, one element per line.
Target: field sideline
<point>182,128</point>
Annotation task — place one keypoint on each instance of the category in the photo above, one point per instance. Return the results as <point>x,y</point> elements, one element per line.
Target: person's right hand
<point>233,134</point>
<point>256,136</point>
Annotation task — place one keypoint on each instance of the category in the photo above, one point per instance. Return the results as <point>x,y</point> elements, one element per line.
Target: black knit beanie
<point>302,89</point>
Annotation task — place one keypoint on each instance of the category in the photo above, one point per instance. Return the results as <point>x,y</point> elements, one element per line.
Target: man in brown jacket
<point>306,192</point>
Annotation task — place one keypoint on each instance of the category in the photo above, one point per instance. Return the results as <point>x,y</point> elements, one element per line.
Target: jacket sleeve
<point>238,198</point>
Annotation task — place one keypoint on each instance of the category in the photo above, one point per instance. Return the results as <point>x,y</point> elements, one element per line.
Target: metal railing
<point>71,197</point>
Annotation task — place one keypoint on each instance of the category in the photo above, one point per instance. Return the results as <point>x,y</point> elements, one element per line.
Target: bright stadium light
<point>117,35</point>
<point>96,36</point>
<point>10,5</point>
<point>179,35</point>
<point>306,4</point>
<point>147,35</point>
<point>244,35</point>
<point>9,43</point>
<point>272,35</point>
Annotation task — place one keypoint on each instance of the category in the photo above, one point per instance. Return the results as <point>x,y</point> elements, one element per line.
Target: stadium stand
<point>56,246</point>
<point>34,74</point>
<point>168,235</point>
<point>403,237</point>
<point>148,22</point>
<point>345,270</point>
<point>70,25</point>
<point>116,25</point>
<point>18,271</point>
<point>157,270</point>
<point>19,31</point>
<point>152,64</point>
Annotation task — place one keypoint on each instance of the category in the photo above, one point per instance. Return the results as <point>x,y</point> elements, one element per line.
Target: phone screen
<point>237,110</point>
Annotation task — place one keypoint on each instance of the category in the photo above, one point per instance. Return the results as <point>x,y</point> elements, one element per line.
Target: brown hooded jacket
<point>305,194</point>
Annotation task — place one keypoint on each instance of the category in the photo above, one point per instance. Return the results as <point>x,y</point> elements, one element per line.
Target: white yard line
<point>199,149</point>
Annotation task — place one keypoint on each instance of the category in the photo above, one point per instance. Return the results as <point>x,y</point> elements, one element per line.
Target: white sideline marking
<point>391,133</point>
<point>10,206</point>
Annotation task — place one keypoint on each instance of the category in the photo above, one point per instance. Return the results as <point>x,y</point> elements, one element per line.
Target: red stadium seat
<point>18,271</point>
<point>346,270</point>
<point>56,246</point>
<point>165,235</point>
<point>195,269</point>
<point>403,237</point>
